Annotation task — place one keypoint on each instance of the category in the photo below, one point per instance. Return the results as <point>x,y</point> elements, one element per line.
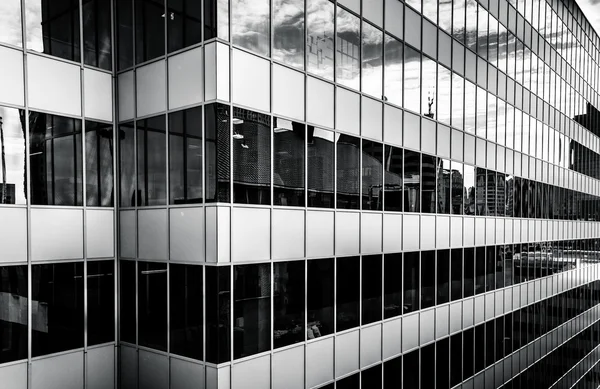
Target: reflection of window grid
<point>348,57</point>
<point>60,31</point>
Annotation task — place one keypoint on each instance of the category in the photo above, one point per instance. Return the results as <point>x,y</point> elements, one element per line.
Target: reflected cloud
<point>10,22</point>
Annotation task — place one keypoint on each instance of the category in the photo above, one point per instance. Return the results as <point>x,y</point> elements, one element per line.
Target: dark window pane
<point>320,297</point>
<point>456,359</point>
<point>99,164</point>
<point>372,175</point>
<point>56,160</point>
<point>184,23</point>
<point>59,25</point>
<point>288,160</point>
<point>412,181</point>
<point>350,382</point>
<point>442,364</point>
<point>443,176</point>
<point>288,32</point>
<point>428,366</point>
<point>481,194</point>
<point>411,282</point>
<point>251,157</point>
<point>185,156</point>
<point>124,34</point>
<point>97,34</point>
<point>288,298</point>
<point>218,314</point>
<point>443,276</point>
<point>13,323</point>
<point>457,188</point>
<point>151,157</point>
<point>392,373</point>
<point>127,293</point>
<point>348,293</point>
<point>469,189</point>
<point>479,270</point>
<point>250,25</point>
<point>469,271</point>
<point>411,367</point>
<point>371,289</point>
<point>490,268</point>
<point>393,178</point>
<point>252,309</point>
<point>101,302</point>
<point>127,164</point>
<point>427,279</point>
<point>149,29</point>
<point>13,164</point>
<point>217,150</point>
<point>348,172</point>
<point>468,350</point>
<point>392,305</point>
<point>371,378</point>
<point>456,274</point>
<point>479,348</point>
<point>152,305</point>
<point>320,162</point>
<point>429,181</point>
<point>186,310</point>
<point>58,314</point>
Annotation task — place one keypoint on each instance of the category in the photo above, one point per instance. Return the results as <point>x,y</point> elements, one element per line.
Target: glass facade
<point>299,194</point>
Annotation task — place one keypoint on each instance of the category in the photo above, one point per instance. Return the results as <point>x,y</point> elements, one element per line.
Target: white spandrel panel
<point>153,370</point>
<point>250,81</point>
<point>223,60</point>
<point>56,234</point>
<point>288,92</point>
<point>13,234</point>
<point>100,368</point>
<point>371,233</point>
<point>319,233</point>
<point>392,233</point>
<point>100,240</point>
<point>287,234</point>
<point>347,231</point>
<point>392,125</point>
<point>151,89</point>
<point>347,111</point>
<point>392,337</point>
<point>60,92</point>
<point>250,234</point>
<point>97,90</point>
<point>319,362</point>
<point>14,375</point>
<point>186,374</point>
<point>186,231</point>
<point>372,119</point>
<point>288,368</point>
<point>186,78</point>
<point>252,374</point>
<point>370,345</point>
<point>11,77</point>
<point>152,234</point>
<point>58,372</point>
<point>319,102</point>
<point>126,95</point>
<point>346,353</point>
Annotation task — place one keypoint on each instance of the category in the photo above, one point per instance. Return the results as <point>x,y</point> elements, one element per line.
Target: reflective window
<point>372,175</point>
<point>442,363</point>
<point>428,359</point>
<point>127,293</point>
<point>127,164</point>
<point>347,50</point>
<point>320,284</point>
<point>412,181</point>
<point>479,270</point>
<point>392,373</point>
<point>393,178</point>
<point>412,79</point>
<point>428,203</point>
<point>348,171</point>
<point>470,111</point>
<point>458,25</point>
<point>101,302</point>
<point>250,25</point>
<point>501,123</point>
<point>218,314</point>
<point>443,177</point>
<point>392,303</point>
<point>151,161</point>
<point>427,279</point>
<point>10,28</point>
<point>458,91</point>
<point>394,54</point>
<point>185,156</point>
<point>12,164</point>
<point>445,15</point>
<point>411,282</point>
<point>319,37</point>
<point>482,32</point>
<point>124,34</point>
<point>53,28</point>
<point>469,272</point>
<point>99,153</point>
<point>457,187</point>
<point>152,305</point>
<point>444,90</point>
<point>149,29</point>
<point>288,32</point>
<point>57,316</point>
<point>371,378</point>
<point>184,23</point>
<point>481,119</point>
<point>350,382</point>
<point>428,93</point>
<point>456,274</point>
<point>97,43</point>
<point>288,162</point>
<point>56,160</point>
<point>411,367</point>
<point>347,293</point>
<point>469,189</point>
<point>251,157</point>
<point>13,323</point>
<point>216,148</point>
<point>491,117</point>
<point>185,307</point>
<point>372,60</point>
<point>288,300</point>
<point>216,19</point>
<point>371,288</point>
<point>320,159</point>
<point>471,25</point>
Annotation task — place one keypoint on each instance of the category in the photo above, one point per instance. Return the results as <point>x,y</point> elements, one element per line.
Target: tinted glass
<point>13,325</point>
<point>372,60</point>
<point>393,65</point>
<point>127,164</point>
<point>218,314</point>
<point>412,79</point>
<point>186,310</point>
<point>427,279</point>
<point>428,203</point>
<point>347,49</point>
<point>371,288</point>
<point>99,153</point>
<point>320,162</point>
<point>250,25</point>
<point>372,175</point>
<point>97,42</point>
<point>12,187</point>
<point>320,290</point>
<point>185,156</point>
<point>184,23</point>
<point>288,32</point>
<point>149,29</point>
<point>393,178</point>
<point>348,293</point>
<point>288,300</point>
<point>443,276</point>
<point>348,171</point>
<point>127,293</point>
<point>392,373</point>
<point>319,37</point>
<point>151,160</point>
<point>101,302</point>
<point>152,305</point>
<point>216,148</point>
<point>288,162</point>
<point>371,378</point>
<point>411,282</point>
<point>124,33</point>
<point>392,304</point>
<point>456,274</point>
<point>412,181</point>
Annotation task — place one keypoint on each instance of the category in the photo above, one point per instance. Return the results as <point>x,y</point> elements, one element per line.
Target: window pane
<point>350,382</point>
<point>347,49</point>
<point>185,156</point>
<point>288,160</point>
<point>393,178</point>
<point>250,25</point>
<point>319,37</point>
<point>372,60</point>
<point>470,111</point>
<point>152,305</point>
<point>412,79</point>
<point>469,272</point>
<point>456,274</point>
<point>13,323</point>
<point>127,293</point>
<point>372,175</point>
<point>392,304</point>
<point>101,302</point>
<point>288,32</point>
<point>99,164</point>
<point>457,187</point>
<point>151,169</point>
<point>218,314</point>
<point>371,288</point>
<point>394,53</point>
<point>427,279</point>
<point>10,28</point>
<point>348,171</point>
<point>127,164</point>
<point>371,378</point>
<point>392,373</point>
<point>348,293</point>
<point>149,29</point>
<point>444,91</point>
<point>443,276</point>
<point>252,309</point>
<point>320,297</point>
<point>458,90</point>
<point>412,181</point>
<point>58,291</point>
<point>443,175</point>
<point>428,94</point>
<point>320,154</point>
<point>411,282</point>
<point>288,298</point>
<point>124,34</point>
<point>251,157</point>
<point>217,133</point>
<point>469,189</point>
<point>186,310</point>
<point>479,270</point>
<point>429,181</point>
<point>97,33</point>
<point>184,23</point>
<point>12,141</point>
<point>56,161</point>
<point>411,368</point>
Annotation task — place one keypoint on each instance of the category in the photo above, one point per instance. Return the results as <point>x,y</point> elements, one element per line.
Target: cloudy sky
<point>591,9</point>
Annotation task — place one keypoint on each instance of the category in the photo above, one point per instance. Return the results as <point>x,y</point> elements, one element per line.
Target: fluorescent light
<point>278,130</point>
<point>237,121</point>
<point>237,136</point>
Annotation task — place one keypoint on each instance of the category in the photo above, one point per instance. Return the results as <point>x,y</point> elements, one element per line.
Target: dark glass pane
<point>58,315</point>
<point>320,297</point>
<point>58,22</point>
<point>348,293</point>
<point>149,29</point>
<point>412,181</point>
<point>469,271</point>
<point>252,309</point>
<point>186,310</point>
<point>348,172</point>
<point>457,188</point>
<point>455,359</point>
<point>372,175</point>
<point>392,373</point>
<point>127,293</point>
<point>320,162</point>
<point>479,348</point>
<point>443,276</point>
<point>393,178</point>
<point>371,288</point>
<point>443,176</point>
<point>411,282</point>
<point>218,314</point>
<point>97,47</point>
<point>56,160</point>
<point>184,23</point>
<point>479,270</point>
<point>217,150</point>
<point>251,157</point>
<point>288,32</point>
<point>288,162</point>
<point>392,305</point>
<point>411,367</point>
<point>427,366</point>
<point>427,279</point>
<point>13,163</point>
<point>13,322</point>
<point>491,195</point>
<point>124,33</point>
<point>456,274</point>
<point>371,378</point>
<point>429,184</point>
<point>469,189</point>
<point>442,364</point>
<point>350,382</point>
<point>185,156</point>
<point>250,26</point>
<point>490,268</point>
<point>468,351</point>
<point>288,300</point>
<point>151,157</point>
<point>127,164</point>
<point>101,302</point>
<point>152,305</point>
<point>481,194</point>
<point>99,154</point>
